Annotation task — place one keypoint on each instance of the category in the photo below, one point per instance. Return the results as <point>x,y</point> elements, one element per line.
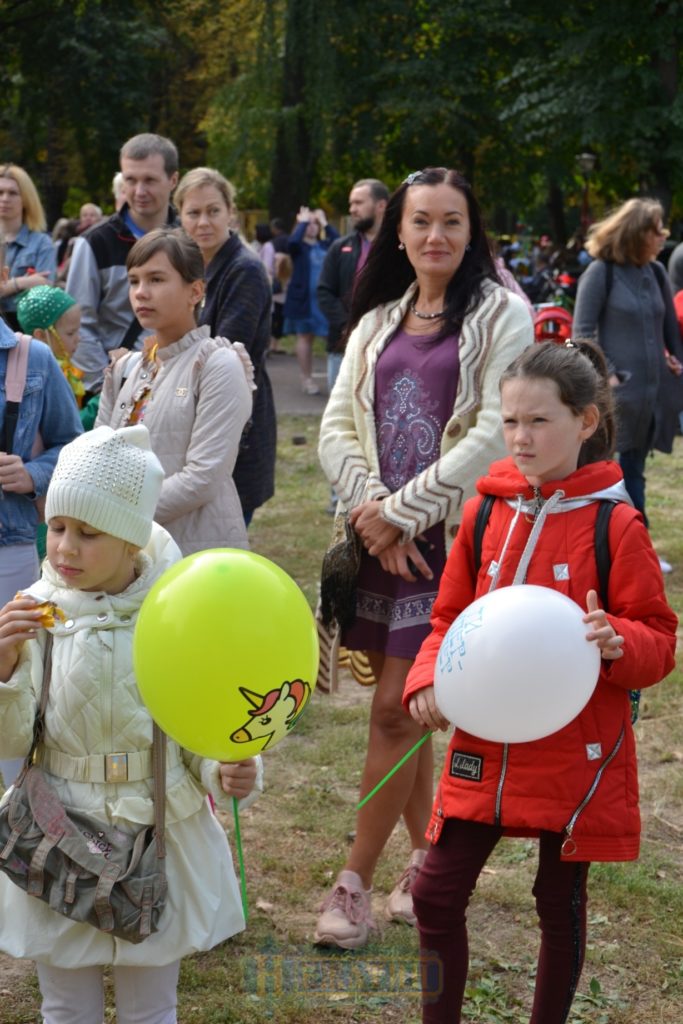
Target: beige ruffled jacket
<point>199,404</point>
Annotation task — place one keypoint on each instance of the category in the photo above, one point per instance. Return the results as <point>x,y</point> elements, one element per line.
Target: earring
<point>468,247</point>
<point>401,245</point>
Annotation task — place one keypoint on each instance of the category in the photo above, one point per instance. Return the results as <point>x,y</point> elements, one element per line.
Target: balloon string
<point>240,858</point>
<point>393,771</point>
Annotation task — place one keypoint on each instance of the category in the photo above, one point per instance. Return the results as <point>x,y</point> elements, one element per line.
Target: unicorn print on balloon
<point>272,714</point>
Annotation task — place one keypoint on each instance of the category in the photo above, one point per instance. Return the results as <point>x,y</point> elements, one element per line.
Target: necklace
<point>425,316</point>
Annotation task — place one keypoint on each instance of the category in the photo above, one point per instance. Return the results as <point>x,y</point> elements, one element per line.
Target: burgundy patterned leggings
<point>441,894</point>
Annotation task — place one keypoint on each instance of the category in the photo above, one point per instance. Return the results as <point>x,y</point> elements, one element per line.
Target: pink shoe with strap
<point>400,903</point>
<point>346,917</point>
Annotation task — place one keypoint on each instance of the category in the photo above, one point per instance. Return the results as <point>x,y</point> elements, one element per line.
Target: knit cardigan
<point>492,336</point>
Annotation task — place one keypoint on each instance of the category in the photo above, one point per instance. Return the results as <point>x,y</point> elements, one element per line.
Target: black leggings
<point>441,894</point>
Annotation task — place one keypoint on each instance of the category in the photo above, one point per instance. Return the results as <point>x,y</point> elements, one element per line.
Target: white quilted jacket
<point>95,708</point>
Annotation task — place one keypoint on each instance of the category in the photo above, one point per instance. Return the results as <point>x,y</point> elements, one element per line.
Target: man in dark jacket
<point>345,258</point>
<point>97,277</point>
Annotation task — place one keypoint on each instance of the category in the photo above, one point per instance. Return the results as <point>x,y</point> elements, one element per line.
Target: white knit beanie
<point>110,479</point>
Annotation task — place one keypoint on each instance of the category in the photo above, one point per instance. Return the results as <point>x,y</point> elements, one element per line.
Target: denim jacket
<point>29,249</point>
<point>48,406</point>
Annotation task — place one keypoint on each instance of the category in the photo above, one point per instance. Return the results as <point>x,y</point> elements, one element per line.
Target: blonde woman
<point>30,254</point>
<point>236,306</point>
<point>624,302</point>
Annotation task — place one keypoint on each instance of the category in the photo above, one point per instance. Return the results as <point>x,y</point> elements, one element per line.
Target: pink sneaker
<point>400,903</point>
<point>346,917</point>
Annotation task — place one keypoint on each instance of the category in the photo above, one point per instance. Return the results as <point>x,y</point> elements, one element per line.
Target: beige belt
<point>118,767</point>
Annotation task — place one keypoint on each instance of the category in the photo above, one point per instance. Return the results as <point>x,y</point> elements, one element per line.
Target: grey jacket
<point>633,321</point>
<point>98,281</point>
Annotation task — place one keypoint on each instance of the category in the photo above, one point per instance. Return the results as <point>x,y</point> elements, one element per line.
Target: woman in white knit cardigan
<point>412,422</point>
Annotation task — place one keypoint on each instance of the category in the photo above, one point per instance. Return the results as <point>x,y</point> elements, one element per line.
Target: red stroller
<point>552,323</point>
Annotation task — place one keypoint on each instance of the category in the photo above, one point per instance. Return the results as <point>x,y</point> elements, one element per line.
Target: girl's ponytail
<point>601,444</point>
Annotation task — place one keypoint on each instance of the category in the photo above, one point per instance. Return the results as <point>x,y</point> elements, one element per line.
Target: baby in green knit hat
<point>53,316</point>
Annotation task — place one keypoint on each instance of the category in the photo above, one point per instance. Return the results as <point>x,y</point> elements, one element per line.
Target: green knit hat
<point>42,307</point>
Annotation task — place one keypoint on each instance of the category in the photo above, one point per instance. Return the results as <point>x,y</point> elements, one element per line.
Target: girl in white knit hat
<point>103,554</point>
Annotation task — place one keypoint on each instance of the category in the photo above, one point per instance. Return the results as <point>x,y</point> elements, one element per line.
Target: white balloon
<point>515,665</point>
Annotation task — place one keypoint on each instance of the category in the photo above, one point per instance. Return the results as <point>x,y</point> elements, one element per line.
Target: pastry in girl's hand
<point>49,611</point>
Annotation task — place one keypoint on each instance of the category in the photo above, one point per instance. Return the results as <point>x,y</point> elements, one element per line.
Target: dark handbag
<point>82,868</point>
<point>339,575</point>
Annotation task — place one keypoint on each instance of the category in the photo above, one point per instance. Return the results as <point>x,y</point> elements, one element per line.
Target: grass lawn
<point>296,836</point>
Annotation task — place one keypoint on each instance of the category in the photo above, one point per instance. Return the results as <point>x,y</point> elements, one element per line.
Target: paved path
<point>289,398</point>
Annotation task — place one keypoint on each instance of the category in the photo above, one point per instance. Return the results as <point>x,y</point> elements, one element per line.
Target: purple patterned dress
<point>415,387</point>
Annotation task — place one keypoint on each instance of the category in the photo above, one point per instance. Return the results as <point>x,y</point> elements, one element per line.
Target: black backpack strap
<point>132,334</point>
<point>609,278</point>
<point>660,273</point>
<point>603,557</point>
<point>603,560</point>
<point>480,523</point>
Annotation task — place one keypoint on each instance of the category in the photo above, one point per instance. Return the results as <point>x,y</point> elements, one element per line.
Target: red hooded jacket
<point>582,780</point>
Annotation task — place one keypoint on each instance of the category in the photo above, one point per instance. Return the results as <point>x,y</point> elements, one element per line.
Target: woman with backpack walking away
<point>624,303</point>
<point>577,789</point>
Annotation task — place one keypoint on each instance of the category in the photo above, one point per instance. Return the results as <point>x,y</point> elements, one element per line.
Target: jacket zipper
<point>501,783</point>
<point>436,827</point>
<point>569,846</point>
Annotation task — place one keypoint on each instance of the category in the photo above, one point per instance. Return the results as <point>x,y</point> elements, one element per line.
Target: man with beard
<point>344,260</point>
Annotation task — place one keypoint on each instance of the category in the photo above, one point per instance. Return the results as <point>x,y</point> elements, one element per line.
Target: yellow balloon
<point>225,653</point>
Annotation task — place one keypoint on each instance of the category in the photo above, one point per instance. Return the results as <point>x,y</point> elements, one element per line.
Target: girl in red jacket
<point>576,790</point>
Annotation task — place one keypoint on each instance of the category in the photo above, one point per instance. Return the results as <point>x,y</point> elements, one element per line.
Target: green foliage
<point>242,116</point>
<point>609,79</point>
<point>78,79</point>
<point>294,99</point>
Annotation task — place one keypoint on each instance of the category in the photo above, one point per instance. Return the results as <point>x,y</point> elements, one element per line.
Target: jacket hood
<point>160,553</point>
<point>595,480</point>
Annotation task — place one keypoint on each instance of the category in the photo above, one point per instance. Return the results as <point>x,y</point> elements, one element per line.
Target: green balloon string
<point>406,757</point>
<point>240,857</point>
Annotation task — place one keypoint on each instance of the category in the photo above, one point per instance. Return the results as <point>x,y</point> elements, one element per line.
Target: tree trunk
<point>555,206</point>
<point>295,150</point>
<point>665,65</point>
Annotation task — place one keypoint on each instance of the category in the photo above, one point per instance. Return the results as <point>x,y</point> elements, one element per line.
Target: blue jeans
<point>632,465</point>
<point>334,361</point>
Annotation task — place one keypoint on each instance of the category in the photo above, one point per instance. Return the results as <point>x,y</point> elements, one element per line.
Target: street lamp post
<point>586,163</point>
